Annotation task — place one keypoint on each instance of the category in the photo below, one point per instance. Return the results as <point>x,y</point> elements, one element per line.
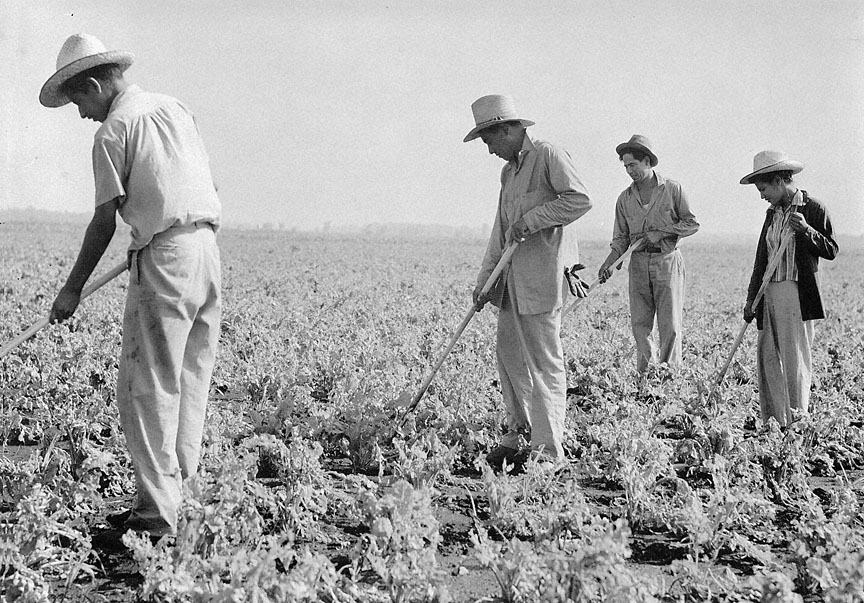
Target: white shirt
<point>149,153</point>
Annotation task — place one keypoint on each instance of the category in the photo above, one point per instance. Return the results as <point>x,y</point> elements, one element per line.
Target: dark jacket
<point>809,247</point>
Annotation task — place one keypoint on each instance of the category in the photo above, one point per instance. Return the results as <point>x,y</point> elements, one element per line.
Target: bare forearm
<point>96,240</point>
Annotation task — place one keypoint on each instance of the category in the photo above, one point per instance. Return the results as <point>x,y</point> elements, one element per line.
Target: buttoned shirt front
<point>667,211</point>
<point>149,154</point>
<point>786,268</point>
<point>542,187</point>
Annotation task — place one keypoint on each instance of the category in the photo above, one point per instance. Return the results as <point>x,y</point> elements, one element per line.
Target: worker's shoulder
<point>547,148</point>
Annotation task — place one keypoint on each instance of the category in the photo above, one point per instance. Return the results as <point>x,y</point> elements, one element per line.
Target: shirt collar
<point>128,91</point>
<point>527,146</point>
<point>796,202</point>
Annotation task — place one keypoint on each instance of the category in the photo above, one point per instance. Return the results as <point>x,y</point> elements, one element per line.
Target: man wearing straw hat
<point>791,300</point>
<point>150,166</point>
<point>540,197</point>
<point>654,209</point>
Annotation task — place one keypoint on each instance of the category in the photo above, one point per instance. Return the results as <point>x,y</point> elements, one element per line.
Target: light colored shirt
<point>667,211</point>
<point>148,152</point>
<point>542,187</point>
<point>786,270</point>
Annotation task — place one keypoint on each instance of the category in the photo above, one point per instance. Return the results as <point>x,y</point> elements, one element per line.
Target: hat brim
<point>635,146</point>
<point>51,96</point>
<point>787,165</point>
<point>477,129</point>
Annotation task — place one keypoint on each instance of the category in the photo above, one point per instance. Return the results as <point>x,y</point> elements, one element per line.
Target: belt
<point>652,250</point>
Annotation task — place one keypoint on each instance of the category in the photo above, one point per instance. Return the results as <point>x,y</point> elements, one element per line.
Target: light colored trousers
<point>170,334</point>
<point>657,289</point>
<point>532,406</point>
<point>783,354</point>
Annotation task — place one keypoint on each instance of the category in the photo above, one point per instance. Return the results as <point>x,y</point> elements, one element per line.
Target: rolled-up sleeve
<point>686,224</point>
<point>108,170</point>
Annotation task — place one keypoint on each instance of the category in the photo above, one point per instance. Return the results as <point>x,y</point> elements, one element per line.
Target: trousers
<point>170,334</point>
<point>657,290</point>
<point>536,404</point>
<point>783,354</point>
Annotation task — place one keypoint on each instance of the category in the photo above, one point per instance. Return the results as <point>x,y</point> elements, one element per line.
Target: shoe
<point>513,458</point>
<point>108,540</point>
<point>499,455</point>
<point>118,520</point>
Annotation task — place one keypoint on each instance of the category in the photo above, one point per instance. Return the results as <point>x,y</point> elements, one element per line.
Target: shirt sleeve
<point>108,170</point>
<point>621,228</point>
<point>572,200</point>
<point>686,224</point>
<point>494,250</point>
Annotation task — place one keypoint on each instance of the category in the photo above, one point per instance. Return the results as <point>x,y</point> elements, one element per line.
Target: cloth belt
<point>652,250</point>
<point>132,256</point>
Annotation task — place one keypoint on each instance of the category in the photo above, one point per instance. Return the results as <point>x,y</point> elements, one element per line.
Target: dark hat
<point>639,143</point>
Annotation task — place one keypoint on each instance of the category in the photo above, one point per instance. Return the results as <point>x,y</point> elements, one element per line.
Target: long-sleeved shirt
<point>668,211</point>
<point>149,154</point>
<point>542,187</point>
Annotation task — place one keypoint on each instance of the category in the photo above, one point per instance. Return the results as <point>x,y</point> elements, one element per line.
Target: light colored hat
<point>492,109</point>
<point>765,162</point>
<point>80,52</point>
<point>639,143</point>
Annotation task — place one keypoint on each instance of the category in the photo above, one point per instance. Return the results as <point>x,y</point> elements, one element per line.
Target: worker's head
<point>93,91</point>
<point>637,163</point>
<point>88,71</point>
<point>504,139</point>
<point>775,187</point>
<point>772,175</point>
<point>498,124</point>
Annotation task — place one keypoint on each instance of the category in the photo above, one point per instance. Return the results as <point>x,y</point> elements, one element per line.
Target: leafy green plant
<point>402,543</point>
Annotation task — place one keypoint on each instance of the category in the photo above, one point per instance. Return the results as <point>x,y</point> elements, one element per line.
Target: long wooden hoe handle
<point>766,278</point>
<point>43,322</point>
<point>593,284</point>
<point>490,282</point>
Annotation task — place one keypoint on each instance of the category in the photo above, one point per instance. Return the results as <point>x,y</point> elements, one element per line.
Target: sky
<point>345,113</point>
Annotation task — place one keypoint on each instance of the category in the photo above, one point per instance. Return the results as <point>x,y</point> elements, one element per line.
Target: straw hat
<point>766,162</point>
<point>492,109</point>
<point>80,52</point>
<point>639,143</point>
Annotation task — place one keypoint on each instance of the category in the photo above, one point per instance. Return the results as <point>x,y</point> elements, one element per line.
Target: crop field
<point>311,489</point>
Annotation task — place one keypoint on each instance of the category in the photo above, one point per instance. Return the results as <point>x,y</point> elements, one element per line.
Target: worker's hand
<point>64,305</point>
<point>798,223</point>
<point>749,312</point>
<point>606,270</point>
<point>480,298</point>
<point>518,232</point>
<point>604,273</point>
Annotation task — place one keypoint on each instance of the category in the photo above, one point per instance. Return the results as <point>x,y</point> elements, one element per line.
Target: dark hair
<point>107,72</point>
<point>638,154</point>
<point>768,178</point>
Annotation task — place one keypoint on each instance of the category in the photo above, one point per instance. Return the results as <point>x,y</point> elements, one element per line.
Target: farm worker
<point>150,166</point>
<point>791,301</point>
<point>541,195</point>
<point>655,209</point>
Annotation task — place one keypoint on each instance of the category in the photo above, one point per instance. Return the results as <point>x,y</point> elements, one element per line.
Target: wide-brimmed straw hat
<point>492,109</point>
<point>766,162</point>
<point>638,142</point>
<point>80,52</point>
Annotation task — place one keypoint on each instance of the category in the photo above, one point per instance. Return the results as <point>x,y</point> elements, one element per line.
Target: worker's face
<point>92,103</point>
<point>773,192</point>
<point>502,141</point>
<point>636,169</point>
